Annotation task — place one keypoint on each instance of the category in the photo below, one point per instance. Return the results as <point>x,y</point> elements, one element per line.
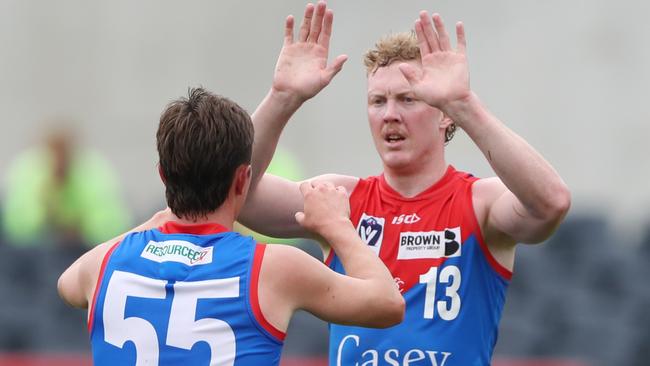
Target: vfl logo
<point>371,231</point>
<point>407,219</point>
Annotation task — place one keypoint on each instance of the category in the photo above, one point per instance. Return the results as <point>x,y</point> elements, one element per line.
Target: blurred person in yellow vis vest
<point>59,193</point>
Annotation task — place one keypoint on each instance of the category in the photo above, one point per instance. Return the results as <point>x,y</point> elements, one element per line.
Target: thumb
<point>335,67</point>
<point>300,217</point>
<point>409,72</point>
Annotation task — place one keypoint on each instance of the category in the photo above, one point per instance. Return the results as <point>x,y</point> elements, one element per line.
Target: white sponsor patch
<point>177,251</point>
<point>429,244</point>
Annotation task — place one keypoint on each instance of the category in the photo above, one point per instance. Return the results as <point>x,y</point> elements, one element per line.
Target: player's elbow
<point>70,292</point>
<point>61,288</point>
<point>557,204</point>
<point>389,311</point>
<point>397,309</point>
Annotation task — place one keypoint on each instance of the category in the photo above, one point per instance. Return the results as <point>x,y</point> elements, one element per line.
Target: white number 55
<point>183,331</point>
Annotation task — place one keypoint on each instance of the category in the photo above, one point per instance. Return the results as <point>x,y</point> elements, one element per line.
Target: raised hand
<point>302,69</point>
<point>444,77</point>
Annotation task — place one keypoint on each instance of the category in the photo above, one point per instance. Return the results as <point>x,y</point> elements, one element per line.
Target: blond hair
<point>401,46</point>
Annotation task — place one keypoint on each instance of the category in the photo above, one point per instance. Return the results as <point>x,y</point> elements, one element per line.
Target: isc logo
<point>406,219</point>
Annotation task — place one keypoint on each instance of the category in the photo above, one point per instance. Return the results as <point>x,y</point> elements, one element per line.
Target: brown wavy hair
<point>202,140</point>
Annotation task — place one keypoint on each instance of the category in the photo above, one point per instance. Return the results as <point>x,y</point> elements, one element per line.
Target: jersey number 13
<point>448,310</point>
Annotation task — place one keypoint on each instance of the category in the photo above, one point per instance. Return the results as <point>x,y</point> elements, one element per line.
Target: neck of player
<point>411,180</point>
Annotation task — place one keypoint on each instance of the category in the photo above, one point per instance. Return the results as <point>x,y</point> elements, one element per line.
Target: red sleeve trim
<point>501,270</point>
<point>254,299</point>
<point>498,267</point>
<point>330,257</point>
<point>91,318</point>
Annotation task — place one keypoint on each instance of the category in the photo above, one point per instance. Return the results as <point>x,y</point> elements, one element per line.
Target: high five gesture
<point>302,70</point>
<point>444,76</point>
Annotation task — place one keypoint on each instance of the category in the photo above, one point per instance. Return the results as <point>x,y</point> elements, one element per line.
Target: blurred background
<point>82,85</point>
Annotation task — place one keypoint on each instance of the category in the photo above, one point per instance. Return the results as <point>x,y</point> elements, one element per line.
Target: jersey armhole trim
<point>330,258</point>
<point>100,277</point>
<point>258,316</point>
<point>496,266</point>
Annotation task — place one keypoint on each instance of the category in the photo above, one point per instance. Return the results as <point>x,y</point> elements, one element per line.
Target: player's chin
<point>395,160</point>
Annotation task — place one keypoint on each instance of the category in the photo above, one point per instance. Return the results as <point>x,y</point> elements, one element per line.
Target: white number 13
<point>450,275</point>
<point>183,331</point>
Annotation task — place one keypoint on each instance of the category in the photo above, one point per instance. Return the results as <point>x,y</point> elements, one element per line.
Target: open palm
<point>444,76</point>
<point>302,68</point>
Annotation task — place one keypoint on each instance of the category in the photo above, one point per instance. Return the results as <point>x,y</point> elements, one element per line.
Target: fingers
<point>409,72</point>
<point>300,217</point>
<point>433,37</point>
<point>443,37</point>
<point>326,34</point>
<point>317,22</point>
<point>288,30</point>
<point>306,22</point>
<point>460,38</point>
<point>323,185</point>
<point>429,34</point>
<point>305,187</point>
<point>422,40</point>
<point>335,67</point>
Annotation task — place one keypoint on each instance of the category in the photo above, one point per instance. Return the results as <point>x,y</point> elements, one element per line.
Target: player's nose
<point>391,113</point>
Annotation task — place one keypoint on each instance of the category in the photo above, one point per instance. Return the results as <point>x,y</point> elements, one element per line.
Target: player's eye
<point>377,101</point>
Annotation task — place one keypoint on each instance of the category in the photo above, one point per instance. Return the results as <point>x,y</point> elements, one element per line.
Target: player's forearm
<point>269,120</point>
<point>519,166</point>
<point>357,258</point>
<point>384,305</point>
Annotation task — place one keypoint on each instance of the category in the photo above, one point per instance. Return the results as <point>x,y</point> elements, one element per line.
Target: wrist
<point>286,99</point>
<point>460,110</point>
<point>335,230</point>
<point>460,104</point>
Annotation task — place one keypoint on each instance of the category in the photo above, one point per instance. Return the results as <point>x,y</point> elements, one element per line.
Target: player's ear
<point>243,176</point>
<point>445,122</point>
<point>162,175</point>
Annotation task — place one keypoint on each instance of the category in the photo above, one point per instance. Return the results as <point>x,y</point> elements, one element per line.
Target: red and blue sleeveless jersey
<point>454,289</point>
<point>182,295</point>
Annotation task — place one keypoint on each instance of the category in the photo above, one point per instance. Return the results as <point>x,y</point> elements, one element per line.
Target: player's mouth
<point>393,139</point>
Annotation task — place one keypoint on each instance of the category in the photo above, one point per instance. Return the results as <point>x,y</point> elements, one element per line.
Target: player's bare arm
<point>528,199</point>
<point>301,72</point>
<point>271,207</point>
<point>367,296</point>
<point>77,283</point>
